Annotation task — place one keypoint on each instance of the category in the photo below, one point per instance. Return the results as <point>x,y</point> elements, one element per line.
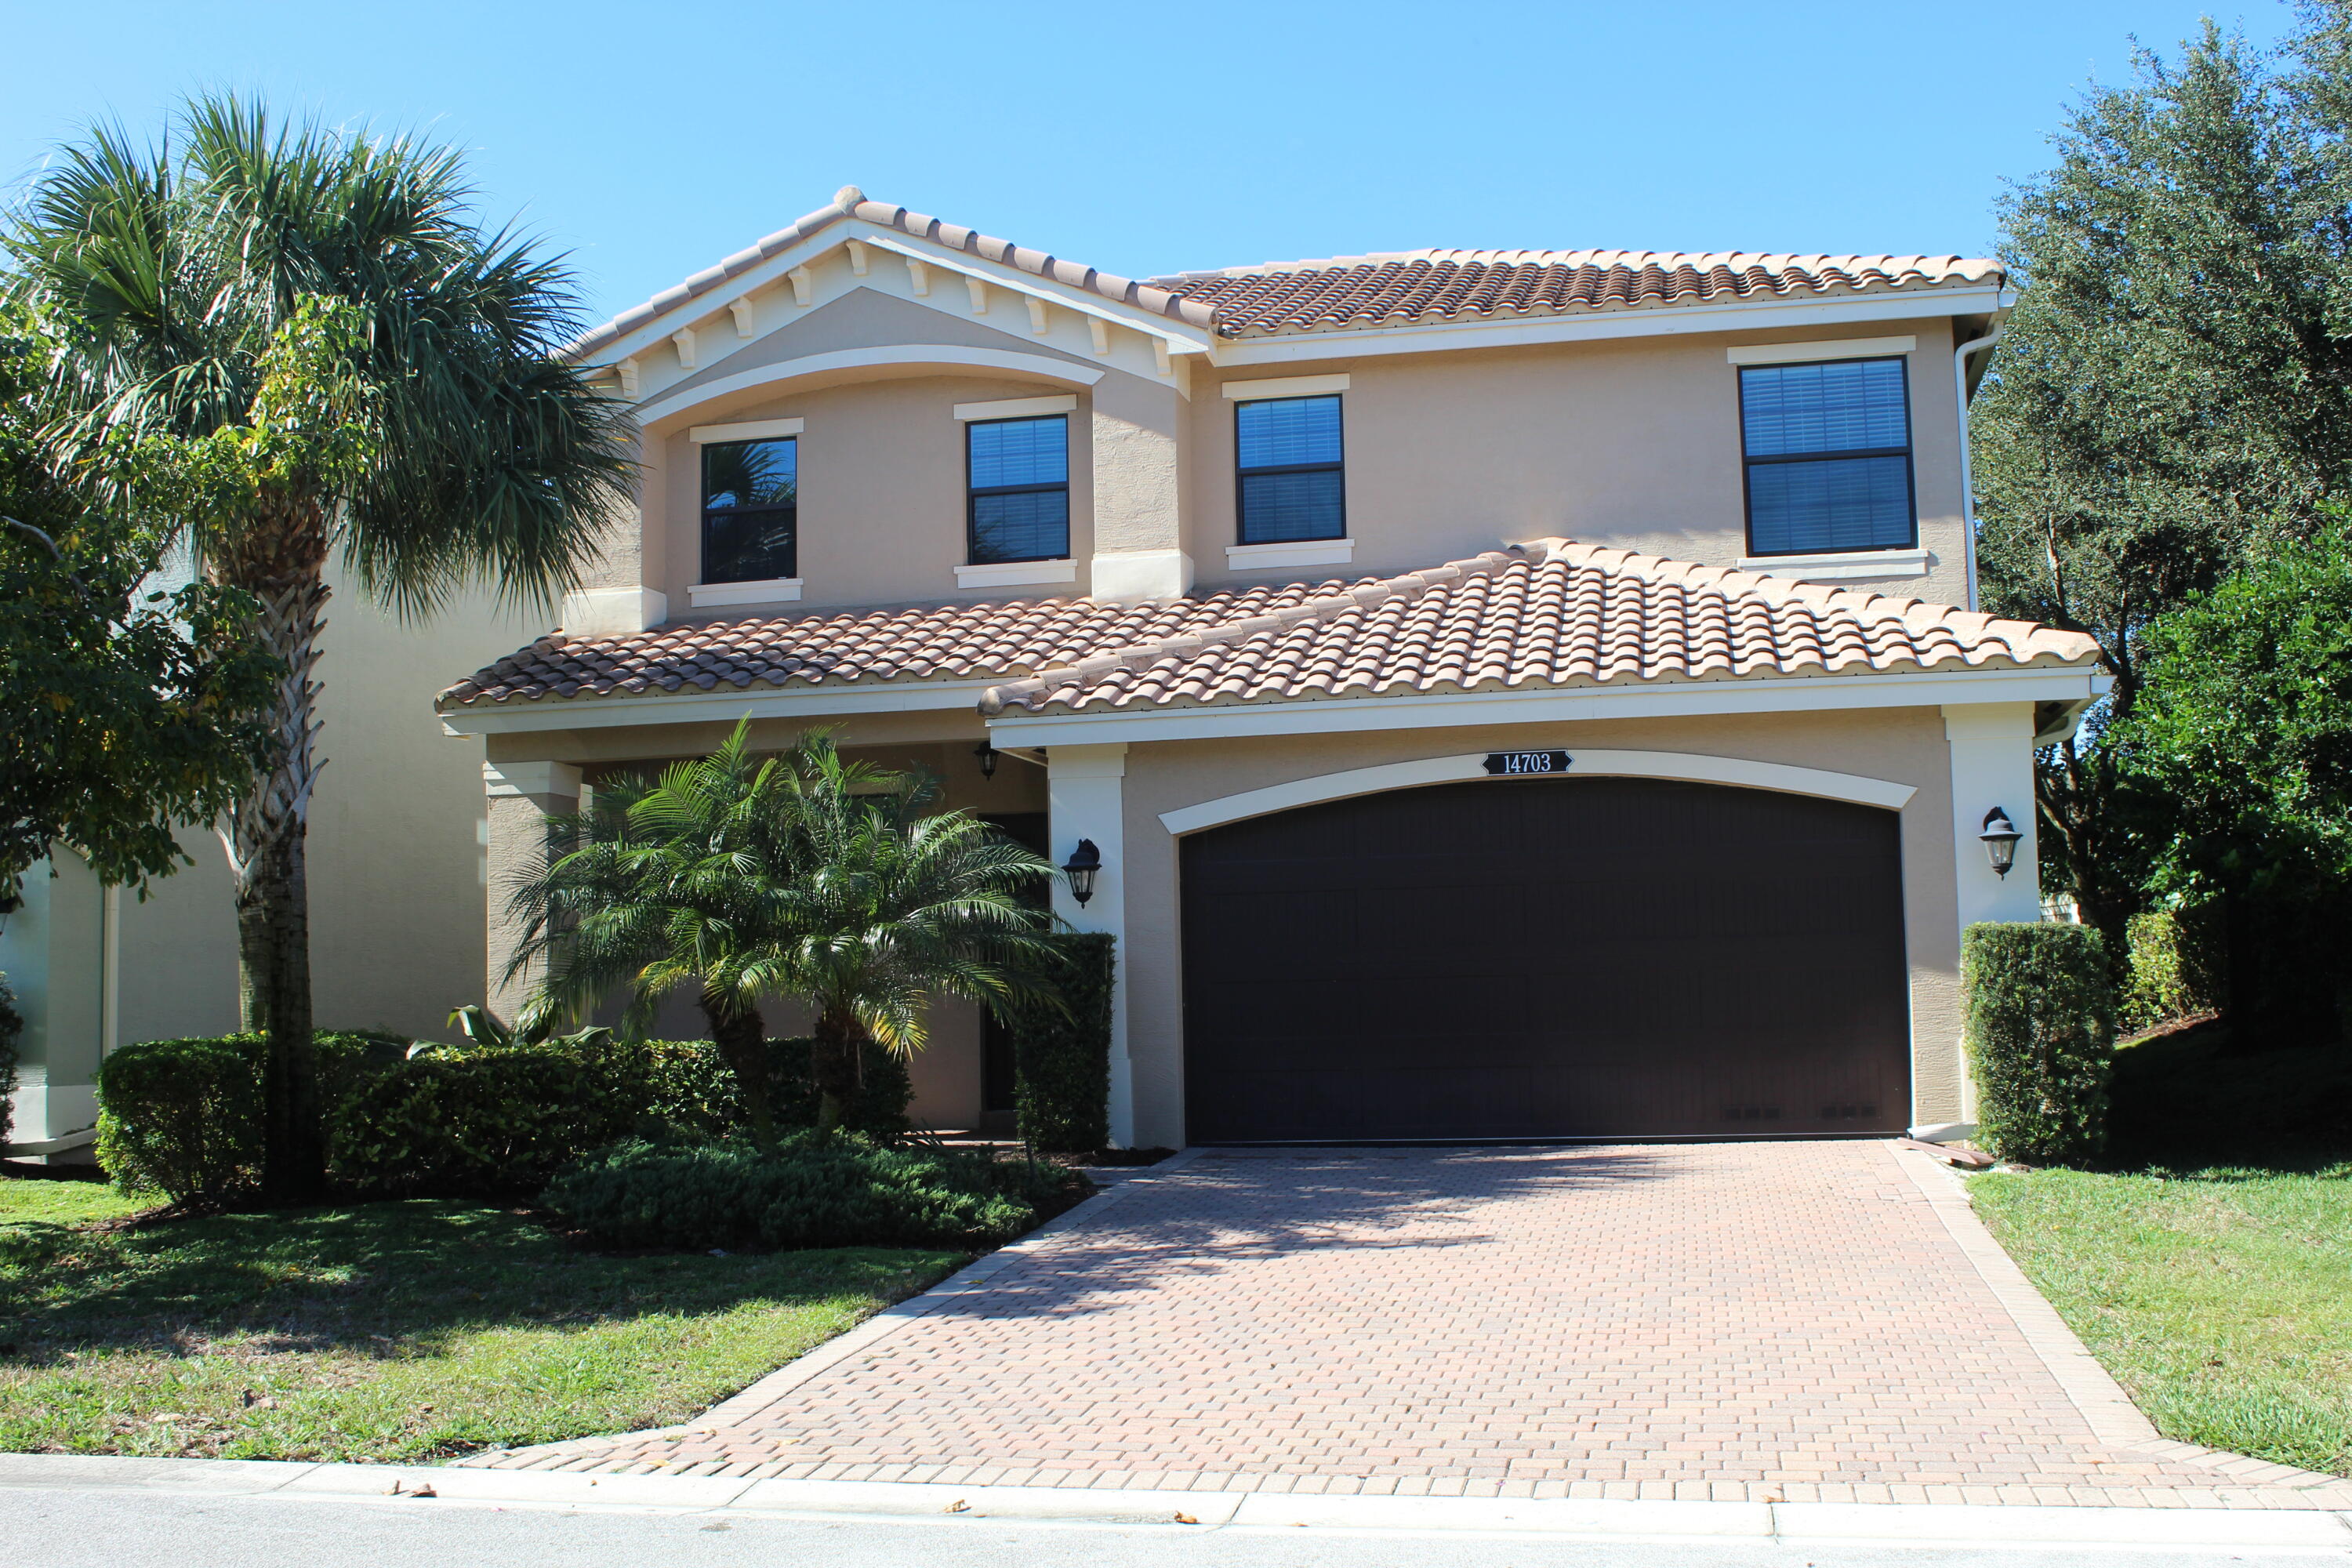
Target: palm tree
<point>449,443</point>
<point>803,876</point>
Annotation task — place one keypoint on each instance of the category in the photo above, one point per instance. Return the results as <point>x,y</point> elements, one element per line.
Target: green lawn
<point>397,1331</point>
<point>2222,1300</point>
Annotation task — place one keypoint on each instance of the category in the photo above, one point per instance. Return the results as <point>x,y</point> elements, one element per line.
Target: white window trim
<point>1840,565</point>
<point>1018,407</point>
<point>763,591</point>
<point>1286,386</point>
<point>1296,553</point>
<point>750,430</point>
<point>1016,573</point>
<point>1831,348</point>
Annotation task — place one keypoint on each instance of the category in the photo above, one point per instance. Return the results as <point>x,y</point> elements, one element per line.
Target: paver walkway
<point>1750,1321</point>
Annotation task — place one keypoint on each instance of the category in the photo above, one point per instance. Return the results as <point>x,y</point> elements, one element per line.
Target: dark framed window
<point>1829,457</point>
<point>1291,483</point>
<point>751,510</point>
<point>1020,488</point>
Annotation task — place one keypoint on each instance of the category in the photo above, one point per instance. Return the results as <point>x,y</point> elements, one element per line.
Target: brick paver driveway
<point>1790,1322</point>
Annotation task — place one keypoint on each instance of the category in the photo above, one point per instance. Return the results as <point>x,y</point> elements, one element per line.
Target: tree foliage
<point>129,711</point>
<point>298,342</point>
<point>2173,399</point>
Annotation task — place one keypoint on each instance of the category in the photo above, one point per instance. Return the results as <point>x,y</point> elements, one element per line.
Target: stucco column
<point>1992,765</point>
<point>1083,789</point>
<point>521,796</point>
<point>1139,466</point>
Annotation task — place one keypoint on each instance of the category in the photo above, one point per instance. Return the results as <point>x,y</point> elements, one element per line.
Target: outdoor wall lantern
<point>987,755</point>
<point>2000,838</point>
<point>1081,867</point>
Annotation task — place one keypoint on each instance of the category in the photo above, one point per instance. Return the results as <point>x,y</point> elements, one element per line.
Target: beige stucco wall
<point>1901,745</point>
<point>1632,443</point>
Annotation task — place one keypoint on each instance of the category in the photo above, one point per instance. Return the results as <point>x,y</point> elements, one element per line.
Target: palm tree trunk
<point>742,1041</point>
<point>281,560</point>
<point>834,1065</point>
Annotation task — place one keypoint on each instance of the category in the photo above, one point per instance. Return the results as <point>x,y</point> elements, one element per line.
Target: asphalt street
<point>112,1527</point>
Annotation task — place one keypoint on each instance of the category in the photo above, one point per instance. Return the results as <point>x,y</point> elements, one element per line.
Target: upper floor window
<point>1829,457</point>
<point>1020,478</point>
<point>1291,483</point>
<point>751,510</point>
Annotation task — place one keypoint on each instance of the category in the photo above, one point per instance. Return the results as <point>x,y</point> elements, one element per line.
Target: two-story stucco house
<point>1512,694</point>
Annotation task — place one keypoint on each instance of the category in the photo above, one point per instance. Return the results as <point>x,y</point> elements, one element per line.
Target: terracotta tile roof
<point>850,202</point>
<point>1402,288</point>
<point>938,642</point>
<point>1549,614</point>
<point>1358,291</point>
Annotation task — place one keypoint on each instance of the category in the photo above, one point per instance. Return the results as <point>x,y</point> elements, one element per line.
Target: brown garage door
<point>1546,958</point>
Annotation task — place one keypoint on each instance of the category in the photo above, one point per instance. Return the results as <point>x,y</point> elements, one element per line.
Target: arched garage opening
<point>1560,958</point>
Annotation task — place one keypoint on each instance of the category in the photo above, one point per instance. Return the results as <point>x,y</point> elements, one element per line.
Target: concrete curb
<point>743,1406</point>
<point>2114,1419</point>
<point>1907,1524</point>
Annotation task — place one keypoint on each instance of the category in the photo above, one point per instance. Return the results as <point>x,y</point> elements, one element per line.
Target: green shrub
<point>472,1122</point>
<point>182,1118</point>
<point>12,1028</point>
<point>694,1094</point>
<point>816,1190</point>
<point>2041,1038</point>
<point>2177,968</point>
<point>1061,1061</point>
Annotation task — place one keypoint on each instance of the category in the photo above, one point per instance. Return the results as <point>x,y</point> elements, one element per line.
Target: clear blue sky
<point>651,139</point>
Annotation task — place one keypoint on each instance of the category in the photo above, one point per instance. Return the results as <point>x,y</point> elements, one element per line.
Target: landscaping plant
<point>814,1189</point>
<point>1061,1054</point>
<point>182,1118</point>
<point>2041,1038</point>
<point>694,1096</point>
<point>737,877</point>
<point>295,343</point>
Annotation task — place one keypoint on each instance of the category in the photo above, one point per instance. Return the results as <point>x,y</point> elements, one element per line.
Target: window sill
<point>1016,573</point>
<point>1297,552</point>
<point>1840,565</point>
<point>766,591</point>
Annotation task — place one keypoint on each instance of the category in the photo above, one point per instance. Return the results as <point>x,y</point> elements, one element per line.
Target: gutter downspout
<point>1968,483</point>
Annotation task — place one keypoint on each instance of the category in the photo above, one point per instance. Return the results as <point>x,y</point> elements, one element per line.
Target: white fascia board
<point>714,708</point>
<point>1180,337</point>
<point>1693,699</point>
<point>1658,320</point>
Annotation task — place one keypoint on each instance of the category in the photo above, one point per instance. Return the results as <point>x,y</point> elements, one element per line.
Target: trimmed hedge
<point>816,1190</point>
<point>182,1118</point>
<point>1061,1061</point>
<point>482,1120</point>
<point>2040,1038</point>
<point>693,1093</point>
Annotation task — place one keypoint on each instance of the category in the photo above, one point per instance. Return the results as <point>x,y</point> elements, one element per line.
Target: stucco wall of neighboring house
<point>398,851</point>
<point>1904,745</point>
<point>1632,442</point>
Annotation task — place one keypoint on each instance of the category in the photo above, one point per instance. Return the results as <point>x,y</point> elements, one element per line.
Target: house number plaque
<point>1505,764</point>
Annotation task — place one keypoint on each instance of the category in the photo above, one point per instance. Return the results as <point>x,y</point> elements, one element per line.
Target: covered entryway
<point>1546,958</point>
